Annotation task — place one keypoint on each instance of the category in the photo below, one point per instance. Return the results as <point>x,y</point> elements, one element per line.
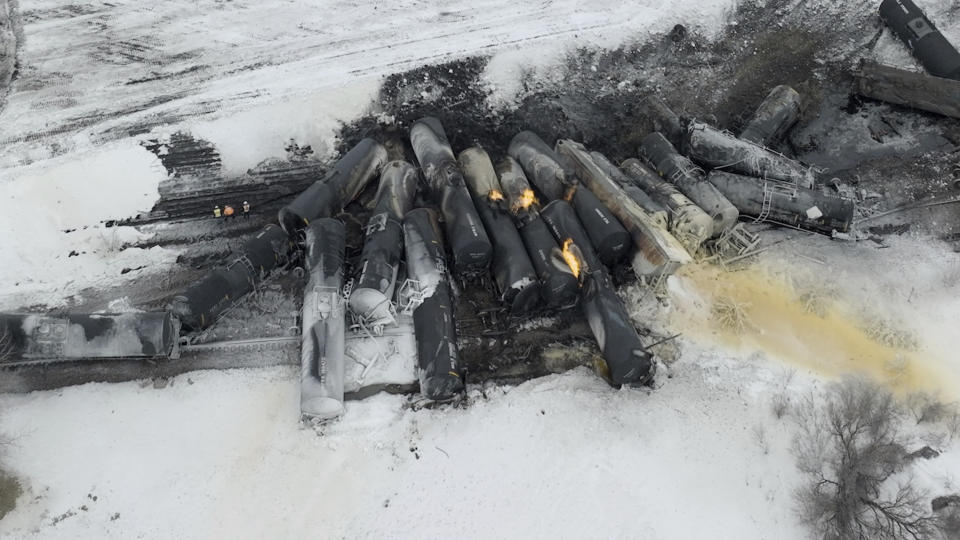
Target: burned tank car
<point>627,360</point>
<point>786,204</point>
<point>342,183</point>
<point>513,271</point>
<point>559,288</point>
<point>717,149</point>
<point>778,112</point>
<point>556,179</point>
<point>204,301</point>
<point>469,243</point>
<point>437,355</point>
<point>39,336</point>
<point>681,172</point>
<point>383,245</point>
<point>324,326</point>
<point>928,45</point>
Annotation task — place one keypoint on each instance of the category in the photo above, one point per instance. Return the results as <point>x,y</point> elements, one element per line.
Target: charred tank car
<point>717,149</point>
<point>371,298</point>
<point>433,322</point>
<point>688,222</point>
<point>627,360</point>
<point>777,113</point>
<point>786,204</point>
<point>26,337</point>
<point>512,270</point>
<point>469,243</point>
<point>558,286</point>
<point>556,181</point>
<point>327,196</point>
<point>658,253</point>
<point>680,171</point>
<point>201,304</point>
<point>933,50</point>
<point>323,337</point>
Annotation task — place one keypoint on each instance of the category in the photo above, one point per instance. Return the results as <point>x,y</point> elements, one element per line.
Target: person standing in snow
<point>216,211</point>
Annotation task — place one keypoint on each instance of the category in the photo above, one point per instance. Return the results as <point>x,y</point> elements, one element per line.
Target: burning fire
<point>495,195</point>
<point>570,257</point>
<point>526,199</point>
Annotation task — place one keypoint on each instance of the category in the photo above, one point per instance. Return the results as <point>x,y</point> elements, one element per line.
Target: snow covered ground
<point>222,454</point>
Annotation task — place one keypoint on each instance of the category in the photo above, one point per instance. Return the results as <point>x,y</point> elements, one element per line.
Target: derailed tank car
<point>926,43</point>
<point>627,360</point>
<point>558,286</point>
<point>342,183</point>
<point>36,336</point>
<point>469,243</point>
<point>383,245</point>
<point>658,253</point>
<point>324,325</point>
<point>201,304</point>
<point>512,269</point>
<point>437,353</point>
<point>778,112</point>
<point>787,204</point>
<point>680,171</point>
<point>716,149</point>
<point>558,181</point>
<point>688,222</point>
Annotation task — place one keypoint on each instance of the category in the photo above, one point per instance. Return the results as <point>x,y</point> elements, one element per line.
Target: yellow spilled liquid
<point>776,323</point>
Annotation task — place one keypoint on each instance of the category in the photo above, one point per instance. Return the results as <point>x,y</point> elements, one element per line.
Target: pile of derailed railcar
<point>541,229</point>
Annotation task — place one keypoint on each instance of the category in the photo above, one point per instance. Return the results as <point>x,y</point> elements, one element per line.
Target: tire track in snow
<point>125,69</point>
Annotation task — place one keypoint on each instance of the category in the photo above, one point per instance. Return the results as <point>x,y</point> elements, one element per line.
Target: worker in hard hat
<point>228,211</point>
<point>246,209</point>
<point>216,211</point>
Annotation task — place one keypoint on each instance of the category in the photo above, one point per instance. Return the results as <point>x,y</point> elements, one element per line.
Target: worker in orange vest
<point>228,211</point>
<point>216,211</point>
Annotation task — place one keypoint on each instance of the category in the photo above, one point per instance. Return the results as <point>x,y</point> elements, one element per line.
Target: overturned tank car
<point>433,319</point>
<point>681,172</point>
<point>371,298</point>
<point>203,302</point>
<point>512,269</point>
<point>323,315</point>
<point>559,288</point>
<point>626,359</point>
<point>469,243</point>
<point>29,337</point>
<point>342,183</point>
<point>786,204</point>
<point>556,178</point>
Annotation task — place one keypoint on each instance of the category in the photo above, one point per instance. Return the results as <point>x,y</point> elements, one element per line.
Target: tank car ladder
<point>770,189</point>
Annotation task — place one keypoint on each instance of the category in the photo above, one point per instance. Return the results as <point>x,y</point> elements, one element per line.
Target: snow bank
<point>56,208</point>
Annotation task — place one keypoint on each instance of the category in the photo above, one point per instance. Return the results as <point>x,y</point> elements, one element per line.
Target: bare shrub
<point>731,315</point>
<point>890,334</point>
<point>925,407</point>
<point>849,449</point>
<point>780,404</point>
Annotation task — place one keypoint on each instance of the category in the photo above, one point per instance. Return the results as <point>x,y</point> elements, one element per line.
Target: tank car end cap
<point>526,300</point>
<point>441,388</point>
<point>321,408</point>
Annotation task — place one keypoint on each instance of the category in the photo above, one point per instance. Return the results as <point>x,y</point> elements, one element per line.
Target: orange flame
<point>526,199</point>
<point>495,195</point>
<point>570,258</point>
